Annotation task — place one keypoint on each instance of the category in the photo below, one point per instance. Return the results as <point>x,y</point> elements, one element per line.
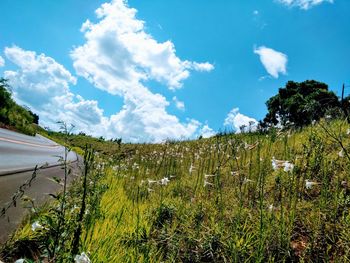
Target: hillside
<point>274,197</point>
<point>14,116</point>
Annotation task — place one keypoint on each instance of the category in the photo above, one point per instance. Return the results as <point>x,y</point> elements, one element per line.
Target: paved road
<point>22,152</point>
<point>19,152</point>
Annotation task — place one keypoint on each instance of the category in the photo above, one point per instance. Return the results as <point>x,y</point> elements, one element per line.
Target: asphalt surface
<point>19,154</point>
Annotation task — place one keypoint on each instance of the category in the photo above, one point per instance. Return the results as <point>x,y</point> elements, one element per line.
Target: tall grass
<point>276,197</point>
<point>226,203</point>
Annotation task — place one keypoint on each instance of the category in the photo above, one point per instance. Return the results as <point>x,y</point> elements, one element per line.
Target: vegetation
<point>299,104</point>
<point>13,115</point>
<point>250,197</point>
<point>281,195</point>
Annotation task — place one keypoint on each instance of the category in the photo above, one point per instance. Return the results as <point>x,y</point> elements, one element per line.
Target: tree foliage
<point>14,115</point>
<point>301,103</point>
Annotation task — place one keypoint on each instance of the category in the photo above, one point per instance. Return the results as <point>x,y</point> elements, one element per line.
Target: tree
<point>300,103</point>
<point>6,102</point>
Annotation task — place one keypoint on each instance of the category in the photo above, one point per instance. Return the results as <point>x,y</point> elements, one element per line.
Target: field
<point>282,196</point>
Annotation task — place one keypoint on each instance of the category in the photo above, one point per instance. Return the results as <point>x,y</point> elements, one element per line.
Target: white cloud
<point>304,4</point>
<point>179,104</point>
<point>119,56</point>
<point>274,62</point>
<point>119,53</point>
<point>2,62</point>
<point>236,120</point>
<point>206,131</point>
<point>39,77</point>
<point>43,84</point>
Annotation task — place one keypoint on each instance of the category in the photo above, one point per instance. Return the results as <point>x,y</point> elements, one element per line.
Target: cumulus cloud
<point>119,53</point>
<point>179,104</point>
<point>304,4</point>
<point>236,120</point>
<point>43,84</point>
<point>2,62</point>
<point>206,131</point>
<point>119,56</point>
<point>274,61</point>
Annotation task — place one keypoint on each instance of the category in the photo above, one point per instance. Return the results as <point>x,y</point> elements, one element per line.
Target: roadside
<point>39,191</point>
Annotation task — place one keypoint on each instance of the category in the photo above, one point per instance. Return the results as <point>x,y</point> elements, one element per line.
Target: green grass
<point>224,201</point>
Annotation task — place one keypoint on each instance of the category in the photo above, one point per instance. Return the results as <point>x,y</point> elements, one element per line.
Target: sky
<point>147,71</point>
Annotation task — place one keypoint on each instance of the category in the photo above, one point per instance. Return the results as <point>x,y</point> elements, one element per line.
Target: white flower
<point>150,190</point>
<point>246,180</point>
<point>21,260</point>
<point>348,132</point>
<point>250,146</point>
<point>271,207</point>
<point>207,183</point>
<point>209,175</point>
<point>191,169</point>
<point>36,226</point>
<point>288,167</point>
<point>309,184</point>
<point>83,258</point>
<point>341,153</point>
<point>164,181</point>
<point>151,181</point>
<point>274,164</point>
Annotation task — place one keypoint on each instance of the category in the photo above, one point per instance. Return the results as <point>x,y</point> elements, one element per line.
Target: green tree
<point>300,103</point>
<point>6,103</point>
<point>20,118</point>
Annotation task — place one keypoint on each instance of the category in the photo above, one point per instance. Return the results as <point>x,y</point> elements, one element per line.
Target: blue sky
<point>180,73</point>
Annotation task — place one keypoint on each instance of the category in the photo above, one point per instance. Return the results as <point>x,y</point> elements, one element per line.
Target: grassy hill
<point>274,197</point>
<point>14,116</point>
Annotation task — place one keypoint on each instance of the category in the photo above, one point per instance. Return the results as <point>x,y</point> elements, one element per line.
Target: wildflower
<point>341,153</point>
<point>274,164</point>
<point>288,167</point>
<point>309,184</point>
<point>246,180</point>
<point>250,146</point>
<point>207,183</point>
<point>36,226</point>
<point>21,260</point>
<point>151,181</point>
<point>83,258</point>
<point>191,169</point>
<point>271,207</point>
<point>164,181</point>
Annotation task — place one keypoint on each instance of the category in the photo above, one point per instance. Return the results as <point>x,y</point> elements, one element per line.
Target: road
<point>22,152</point>
<point>19,154</point>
